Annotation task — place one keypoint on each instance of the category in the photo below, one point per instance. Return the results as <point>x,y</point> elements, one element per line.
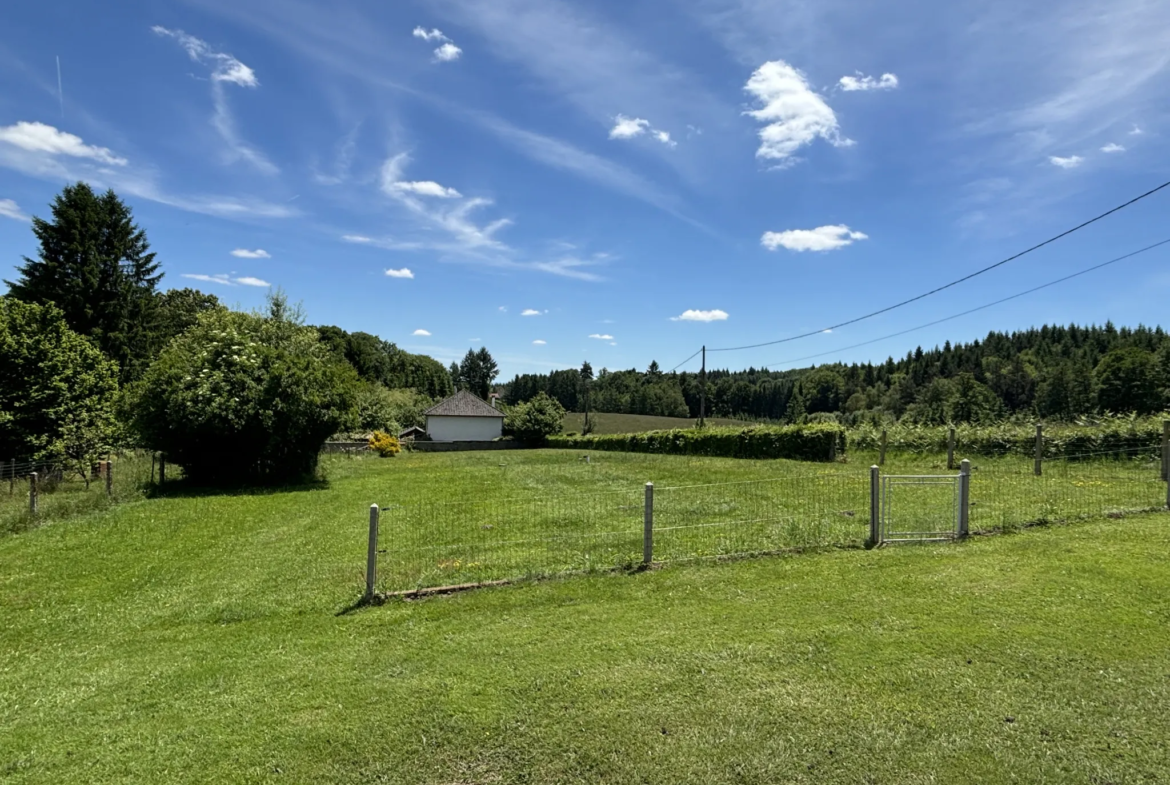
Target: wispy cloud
<point>227,280</point>
<point>823,238</point>
<point>403,273</point>
<point>427,188</point>
<point>41,138</point>
<point>539,342</point>
<point>421,332</point>
<point>225,69</point>
<point>715,315</point>
<point>570,267</point>
<point>447,51</point>
<point>1136,131</point>
<point>601,337</point>
<point>630,127</point>
<point>10,209</point>
<point>1071,162</point>
<point>1113,147</point>
<point>531,312</point>
<point>793,114</point>
<point>860,82</point>
<point>244,253</point>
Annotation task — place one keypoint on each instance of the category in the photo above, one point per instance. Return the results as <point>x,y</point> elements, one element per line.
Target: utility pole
<point>703,389</point>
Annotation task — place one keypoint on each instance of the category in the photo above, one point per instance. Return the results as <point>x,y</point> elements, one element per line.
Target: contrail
<point>60,92</point>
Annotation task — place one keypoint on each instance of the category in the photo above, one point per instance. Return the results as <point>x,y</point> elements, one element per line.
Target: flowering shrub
<point>384,444</point>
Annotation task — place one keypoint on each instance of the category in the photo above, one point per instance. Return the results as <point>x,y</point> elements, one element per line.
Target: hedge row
<point>819,442</point>
<point>1120,436</point>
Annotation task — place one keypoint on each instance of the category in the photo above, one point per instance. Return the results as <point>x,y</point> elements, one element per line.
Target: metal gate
<point>924,507</point>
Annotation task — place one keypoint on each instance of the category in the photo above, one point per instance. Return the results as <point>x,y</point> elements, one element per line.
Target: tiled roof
<point>464,404</point>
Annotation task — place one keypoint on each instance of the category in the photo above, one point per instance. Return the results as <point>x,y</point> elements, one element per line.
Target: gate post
<point>964,498</point>
<point>648,527</point>
<point>875,511</point>
<point>372,552</point>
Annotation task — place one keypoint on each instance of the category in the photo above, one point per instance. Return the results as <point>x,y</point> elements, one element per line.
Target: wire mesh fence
<point>437,544</point>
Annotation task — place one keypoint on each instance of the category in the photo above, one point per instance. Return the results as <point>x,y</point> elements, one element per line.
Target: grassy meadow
<point>636,423</point>
<point>196,637</point>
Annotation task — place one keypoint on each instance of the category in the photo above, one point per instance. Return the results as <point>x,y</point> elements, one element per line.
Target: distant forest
<point>1057,373</point>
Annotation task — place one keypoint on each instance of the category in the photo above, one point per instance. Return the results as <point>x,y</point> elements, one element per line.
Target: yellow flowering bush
<point>384,444</point>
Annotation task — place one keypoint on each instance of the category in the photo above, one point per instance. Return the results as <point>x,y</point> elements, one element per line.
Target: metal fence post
<point>648,527</point>
<point>109,478</point>
<point>372,552</point>
<point>951,448</point>
<point>32,493</point>
<point>1166,450</point>
<point>882,454</point>
<point>875,530</point>
<point>1039,461</point>
<point>964,498</point>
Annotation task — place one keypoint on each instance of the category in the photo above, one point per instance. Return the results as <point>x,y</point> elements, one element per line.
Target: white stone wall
<point>464,429</point>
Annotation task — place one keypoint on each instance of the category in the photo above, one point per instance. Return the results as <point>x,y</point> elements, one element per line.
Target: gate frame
<point>880,505</point>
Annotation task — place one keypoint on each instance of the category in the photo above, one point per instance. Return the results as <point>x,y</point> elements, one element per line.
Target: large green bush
<point>536,420</point>
<point>56,388</point>
<point>245,398</point>
<point>818,442</point>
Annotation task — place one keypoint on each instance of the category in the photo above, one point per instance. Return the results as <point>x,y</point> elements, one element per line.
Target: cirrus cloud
<point>227,280</point>
<point>10,209</point>
<point>823,238</point>
<point>601,337</point>
<point>715,315</point>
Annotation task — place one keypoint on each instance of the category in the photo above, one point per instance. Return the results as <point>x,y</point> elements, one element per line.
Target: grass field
<point>197,638</point>
<point>636,423</point>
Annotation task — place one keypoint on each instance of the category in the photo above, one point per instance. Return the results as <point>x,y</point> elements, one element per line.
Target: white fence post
<point>648,527</point>
<point>964,498</point>
<point>875,511</point>
<point>1038,468</point>
<point>372,552</point>
<point>32,493</point>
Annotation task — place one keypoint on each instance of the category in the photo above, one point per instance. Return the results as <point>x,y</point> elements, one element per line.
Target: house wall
<point>464,429</point>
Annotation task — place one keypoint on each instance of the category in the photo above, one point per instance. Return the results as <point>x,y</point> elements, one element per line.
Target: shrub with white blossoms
<point>245,398</point>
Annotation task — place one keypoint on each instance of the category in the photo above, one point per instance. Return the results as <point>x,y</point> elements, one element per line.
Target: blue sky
<point>617,182</point>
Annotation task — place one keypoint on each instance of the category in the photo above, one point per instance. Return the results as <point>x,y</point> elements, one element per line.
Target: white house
<point>464,418</point>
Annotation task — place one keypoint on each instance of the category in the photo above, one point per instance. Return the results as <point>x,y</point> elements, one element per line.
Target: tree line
<point>1053,372</point>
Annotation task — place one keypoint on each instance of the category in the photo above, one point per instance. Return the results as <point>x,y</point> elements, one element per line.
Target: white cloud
<point>244,253</point>
<point>1136,131</point>
<point>447,52</point>
<point>793,114</point>
<point>403,273</point>
<point>503,309</point>
<point>226,280</point>
<point>602,337</point>
<point>664,137</point>
<point>1113,147</point>
<point>224,69</point>
<point>420,332</point>
<point>715,315</point>
<point>628,127</point>
<point>357,238</point>
<point>428,188</point>
<point>613,343</point>
<point>10,209</point>
<point>570,267</point>
<point>823,238</point>
<point>539,342</point>
<point>41,138</point>
<point>859,82</point>
<point>531,312</point>
<point>1071,162</point>
<point>434,34</point>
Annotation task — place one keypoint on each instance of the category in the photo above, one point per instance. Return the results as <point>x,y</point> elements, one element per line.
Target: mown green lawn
<point>198,639</point>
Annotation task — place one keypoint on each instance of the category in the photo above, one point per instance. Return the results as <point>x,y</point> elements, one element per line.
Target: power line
<point>684,362</point>
<point>979,308</point>
<point>1050,240</point>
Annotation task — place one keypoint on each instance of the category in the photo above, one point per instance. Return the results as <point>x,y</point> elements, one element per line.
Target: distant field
<point>199,637</point>
<point>637,423</point>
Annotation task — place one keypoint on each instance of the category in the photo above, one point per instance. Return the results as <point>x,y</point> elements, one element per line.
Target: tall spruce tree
<point>96,266</point>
